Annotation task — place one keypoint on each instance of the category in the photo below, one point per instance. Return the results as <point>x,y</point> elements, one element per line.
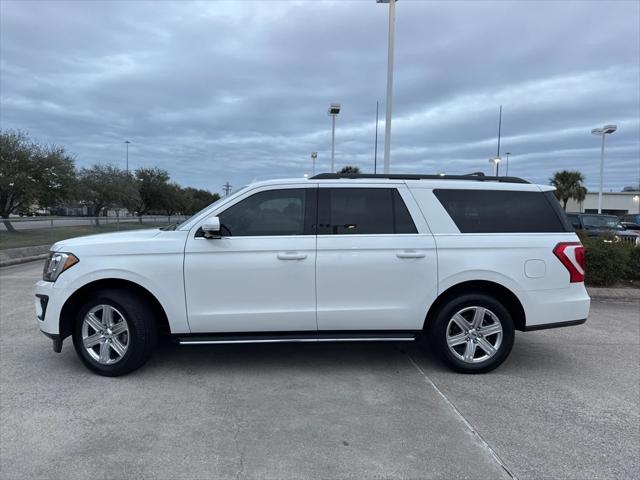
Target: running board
<point>304,337</point>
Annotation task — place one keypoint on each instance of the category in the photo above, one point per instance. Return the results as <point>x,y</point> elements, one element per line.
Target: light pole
<point>314,155</point>
<point>127,142</point>
<point>496,165</point>
<point>375,148</point>
<point>334,110</point>
<point>606,130</point>
<point>507,172</point>
<point>387,124</point>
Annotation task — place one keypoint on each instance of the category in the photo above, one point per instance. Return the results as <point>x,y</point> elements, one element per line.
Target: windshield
<point>600,221</point>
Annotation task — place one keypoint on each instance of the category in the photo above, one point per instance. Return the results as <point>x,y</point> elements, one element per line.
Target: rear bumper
<point>557,308</point>
<point>545,326</point>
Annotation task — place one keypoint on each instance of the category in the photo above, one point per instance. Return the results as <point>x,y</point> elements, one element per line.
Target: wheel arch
<point>501,293</point>
<point>81,295</point>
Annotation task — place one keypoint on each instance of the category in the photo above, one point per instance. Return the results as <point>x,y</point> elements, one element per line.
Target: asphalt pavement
<point>564,405</point>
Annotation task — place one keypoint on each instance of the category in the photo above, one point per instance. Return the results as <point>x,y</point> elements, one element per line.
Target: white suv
<point>461,260</point>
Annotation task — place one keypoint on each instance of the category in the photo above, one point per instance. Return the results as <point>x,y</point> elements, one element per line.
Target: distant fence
<point>28,223</point>
<point>31,231</point>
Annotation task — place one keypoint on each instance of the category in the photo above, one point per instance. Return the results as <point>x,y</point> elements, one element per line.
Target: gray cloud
<point>216,91</point>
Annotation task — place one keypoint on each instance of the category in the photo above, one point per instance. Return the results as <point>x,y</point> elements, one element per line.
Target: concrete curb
<point>622,294</point>
<point>15,256</point>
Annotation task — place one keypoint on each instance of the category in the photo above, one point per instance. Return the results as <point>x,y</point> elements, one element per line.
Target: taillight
<point>571,254</point>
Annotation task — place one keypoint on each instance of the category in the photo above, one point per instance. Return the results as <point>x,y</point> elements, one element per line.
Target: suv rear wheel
<point>472,333</point>
<point>114,332</point>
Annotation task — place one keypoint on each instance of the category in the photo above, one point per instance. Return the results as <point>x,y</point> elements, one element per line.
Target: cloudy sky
<point>237,91</point>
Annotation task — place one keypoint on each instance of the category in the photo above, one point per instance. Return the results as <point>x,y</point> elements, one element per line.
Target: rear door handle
<point>410,254</point>
<point>292,256</point>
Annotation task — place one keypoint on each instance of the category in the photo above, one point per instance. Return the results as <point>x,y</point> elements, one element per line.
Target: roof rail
<point>477,176</point>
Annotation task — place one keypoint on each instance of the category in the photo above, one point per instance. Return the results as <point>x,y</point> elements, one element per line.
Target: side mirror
<point>211,228</point>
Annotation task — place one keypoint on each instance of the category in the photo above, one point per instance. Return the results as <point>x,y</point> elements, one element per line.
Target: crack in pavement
<point>484,444</point>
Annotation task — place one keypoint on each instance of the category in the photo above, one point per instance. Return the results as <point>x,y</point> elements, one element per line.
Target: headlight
<point>56,264</point>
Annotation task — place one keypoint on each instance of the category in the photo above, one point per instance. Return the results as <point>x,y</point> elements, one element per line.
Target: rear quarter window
<point>503,211</point>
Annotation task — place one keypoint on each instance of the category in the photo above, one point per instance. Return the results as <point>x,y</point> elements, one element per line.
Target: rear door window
<point>503,211</point>
<point>352,211</point>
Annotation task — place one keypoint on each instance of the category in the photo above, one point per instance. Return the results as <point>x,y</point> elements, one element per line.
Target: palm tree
<point>350,169</point>
<point>569,184</point>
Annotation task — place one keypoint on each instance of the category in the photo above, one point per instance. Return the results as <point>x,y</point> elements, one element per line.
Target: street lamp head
<point>334,109</point>
<point>314,155</point>
<point>127,141</point>
<point>607,129</point>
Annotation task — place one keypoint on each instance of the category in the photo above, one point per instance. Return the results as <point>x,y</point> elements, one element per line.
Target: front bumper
<point>48,305</point>
<point>57,341</point>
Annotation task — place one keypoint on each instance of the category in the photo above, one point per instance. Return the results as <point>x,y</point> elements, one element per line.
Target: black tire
<point>437,332</point>
<point>141,337</point>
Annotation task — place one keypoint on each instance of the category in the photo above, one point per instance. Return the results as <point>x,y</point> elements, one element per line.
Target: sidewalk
<point>14,256</point>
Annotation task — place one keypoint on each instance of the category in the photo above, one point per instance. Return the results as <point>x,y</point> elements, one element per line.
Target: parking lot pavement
<point>564,405</point>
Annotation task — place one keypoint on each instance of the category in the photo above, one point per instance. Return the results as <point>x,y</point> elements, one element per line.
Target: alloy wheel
<point>105,334</point>
<point>474,334</point>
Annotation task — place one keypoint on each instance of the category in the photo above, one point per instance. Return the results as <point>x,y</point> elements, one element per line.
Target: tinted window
<point>574,220</point>
<point>273,212</point>
<point>600,222</point>
<point>363,211</point>
<point>501,211</point>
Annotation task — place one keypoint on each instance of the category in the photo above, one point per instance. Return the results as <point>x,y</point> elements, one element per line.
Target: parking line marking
<point>482,441</point>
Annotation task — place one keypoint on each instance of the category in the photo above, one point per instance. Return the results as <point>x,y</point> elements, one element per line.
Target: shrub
<point>633,270</point>
<point>607,262</point>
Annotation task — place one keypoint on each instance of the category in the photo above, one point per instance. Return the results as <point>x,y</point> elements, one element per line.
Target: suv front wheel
<point>472,333</point>
<point>114,333</point>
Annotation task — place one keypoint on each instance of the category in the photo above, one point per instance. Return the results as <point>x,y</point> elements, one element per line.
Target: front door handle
<point>292,256</point>
<point>410,254</point>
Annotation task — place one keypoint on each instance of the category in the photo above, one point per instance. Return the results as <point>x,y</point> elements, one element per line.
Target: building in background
<point>613,203</point>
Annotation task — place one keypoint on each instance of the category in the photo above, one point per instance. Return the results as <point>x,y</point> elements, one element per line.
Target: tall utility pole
<point>387,125</point>
<point>314,155</point>
<point>226,188</point>
<point>375,152</point>
<point>499,131</point>
<point>604,131</point>
<point>507,172</point>
<point>334,110</point>
<point>127,142</point>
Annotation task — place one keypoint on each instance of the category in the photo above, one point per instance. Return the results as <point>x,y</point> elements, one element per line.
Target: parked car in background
<point>629,226</point>
<point>631,218</point>
<point>462,260</point>
<point>607,227</point>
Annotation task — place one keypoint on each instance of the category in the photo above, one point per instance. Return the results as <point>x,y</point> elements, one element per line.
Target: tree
<point>196,199</point>
<point>105,186</point>
<point>153,187</point>
<point>173,199</point>
<point>569,185</point>
<point>349,169</point>
<point>32,174</point>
